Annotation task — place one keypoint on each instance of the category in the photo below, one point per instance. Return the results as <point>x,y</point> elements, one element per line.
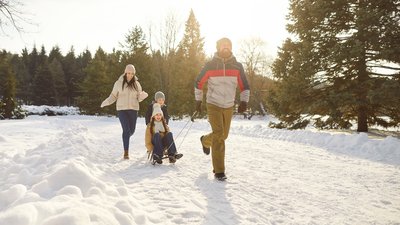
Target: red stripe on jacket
<point>220,73</point>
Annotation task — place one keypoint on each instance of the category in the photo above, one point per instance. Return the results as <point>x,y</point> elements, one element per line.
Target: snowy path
<point>67,170</point>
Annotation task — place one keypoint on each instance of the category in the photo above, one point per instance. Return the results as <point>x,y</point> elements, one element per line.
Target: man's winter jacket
<point>223,77</point>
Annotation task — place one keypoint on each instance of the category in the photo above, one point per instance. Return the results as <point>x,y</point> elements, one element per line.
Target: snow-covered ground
<point>67,170</point>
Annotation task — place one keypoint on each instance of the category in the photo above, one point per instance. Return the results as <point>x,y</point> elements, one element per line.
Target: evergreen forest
<point>340,66</point>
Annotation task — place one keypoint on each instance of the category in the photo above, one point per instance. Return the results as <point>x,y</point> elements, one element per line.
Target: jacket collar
<point>219,58</point>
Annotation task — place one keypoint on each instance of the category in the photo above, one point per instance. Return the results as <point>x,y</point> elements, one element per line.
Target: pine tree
<point>57,73</point>
<point>82,61</point>
<point>42,58</point>
<point>44,87</point>
<point>337,57</point>
<point>20,67</point>
<point>33,62</point>
<point>71,72</point>
<point>32,66</point>
<point>136,52</point>
<point>189,61</point>
<point>44,92</point>
<point>291,95</point>
<point>8,104</point>
<point>96,86</point>
<point>55,53</point>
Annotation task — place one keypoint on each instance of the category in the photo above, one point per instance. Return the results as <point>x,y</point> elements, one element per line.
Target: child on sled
<point>158,138</point>
<point>159,98</point>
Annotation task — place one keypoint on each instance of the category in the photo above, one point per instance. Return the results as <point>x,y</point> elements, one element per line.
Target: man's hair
<point>223,40</point>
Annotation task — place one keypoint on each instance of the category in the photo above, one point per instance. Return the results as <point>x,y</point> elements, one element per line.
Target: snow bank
<point>386,150</point>
<point>50,110</point>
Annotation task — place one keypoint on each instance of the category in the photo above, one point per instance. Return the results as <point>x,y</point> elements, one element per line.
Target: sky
<point>88,24</point>
<point>63,170</point>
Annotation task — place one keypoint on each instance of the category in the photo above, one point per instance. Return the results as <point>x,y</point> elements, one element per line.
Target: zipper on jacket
<point>223,63</point>
<point>224,77</point>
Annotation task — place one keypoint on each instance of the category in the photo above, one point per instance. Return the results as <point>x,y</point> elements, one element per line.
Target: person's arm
<point>200,80</point>
<point>244,91</point>
<point>112,98</point>
<point>147,139</point>
<point>148,113</point>
<point>167,130</point>
<point>142,95</point>
<point>165,112</point>
<point>243,86</point>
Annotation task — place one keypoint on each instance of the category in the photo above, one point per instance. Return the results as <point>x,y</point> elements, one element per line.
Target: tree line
<point>340,65</point>
<point>84,80</point>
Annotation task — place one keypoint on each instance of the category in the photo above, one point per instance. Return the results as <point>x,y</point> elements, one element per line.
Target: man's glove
<point>198,106</point>
<point>242,107</point>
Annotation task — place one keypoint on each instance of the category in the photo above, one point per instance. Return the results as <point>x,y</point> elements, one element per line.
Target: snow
<point>52,110</point>
<point>64,170</point>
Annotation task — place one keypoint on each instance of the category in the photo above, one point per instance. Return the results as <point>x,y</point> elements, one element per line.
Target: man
<point>223,74</point>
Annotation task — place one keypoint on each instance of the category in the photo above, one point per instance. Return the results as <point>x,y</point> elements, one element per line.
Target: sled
<point>150,155</point>
<point>165,156</point>
<point>165,151</point>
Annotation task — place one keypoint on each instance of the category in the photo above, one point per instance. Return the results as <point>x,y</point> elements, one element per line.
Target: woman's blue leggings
<point>128,123</point>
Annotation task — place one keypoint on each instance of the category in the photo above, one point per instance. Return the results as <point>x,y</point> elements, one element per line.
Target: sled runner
<point>172,159</point>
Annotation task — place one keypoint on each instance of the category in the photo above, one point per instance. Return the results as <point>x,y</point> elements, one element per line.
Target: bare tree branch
<point>169,34</point>
<point>10,15</point>
<point>252,53</point>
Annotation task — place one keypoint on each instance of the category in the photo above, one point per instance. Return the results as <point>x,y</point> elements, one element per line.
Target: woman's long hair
<point>131,84</point>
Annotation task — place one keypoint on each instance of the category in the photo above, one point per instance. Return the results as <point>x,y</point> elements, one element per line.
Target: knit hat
<point>223,40</point>
<point>130,68</point>
<point>159,95</point>
<point>157,109</point>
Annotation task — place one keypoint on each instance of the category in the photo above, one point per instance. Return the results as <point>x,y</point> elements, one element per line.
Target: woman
<point>128,93</point>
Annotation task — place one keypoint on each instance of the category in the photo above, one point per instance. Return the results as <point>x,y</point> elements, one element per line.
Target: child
<point>159,98</point>
<point>158,137</point>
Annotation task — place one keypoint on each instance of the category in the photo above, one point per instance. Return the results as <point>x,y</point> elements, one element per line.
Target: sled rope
<point>184,136</point>
<point>150,154</point>
<point>191,120</point>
